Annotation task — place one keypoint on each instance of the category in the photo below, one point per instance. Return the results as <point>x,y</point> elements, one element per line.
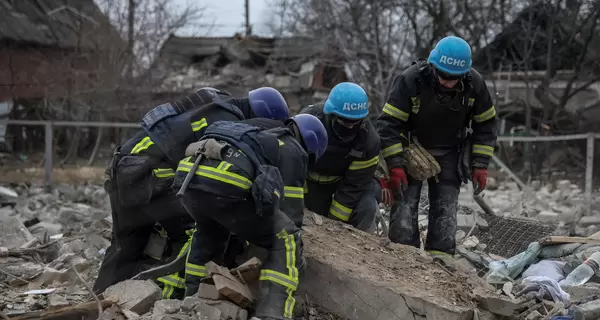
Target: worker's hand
<point>387,197</point>
<point>398,182</point>
<point>479,180</point>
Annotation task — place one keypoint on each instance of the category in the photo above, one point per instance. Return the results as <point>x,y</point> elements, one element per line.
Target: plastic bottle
<point>583,272</point>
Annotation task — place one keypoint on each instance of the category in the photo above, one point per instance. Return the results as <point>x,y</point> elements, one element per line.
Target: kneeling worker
<point>142,172</point>
<point>342,185</point>
<point>239,181</point>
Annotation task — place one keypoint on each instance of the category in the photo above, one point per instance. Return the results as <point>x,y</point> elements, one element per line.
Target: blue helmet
<point>451,55</point>
<point>347,100</point>
<point>267,102</point>
<point>313,132</point>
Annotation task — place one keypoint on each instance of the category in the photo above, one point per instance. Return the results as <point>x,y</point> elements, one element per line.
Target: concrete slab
<point>359,276</point>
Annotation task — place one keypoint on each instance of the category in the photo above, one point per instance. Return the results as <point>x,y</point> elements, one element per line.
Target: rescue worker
<point>342,185</point>
<point>142,172</point>
<point>437,101</point>
<point>247,178</point>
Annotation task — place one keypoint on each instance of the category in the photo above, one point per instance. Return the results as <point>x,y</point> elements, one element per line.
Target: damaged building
<point>515,64</point>
<point>54,54</point>
<point>298,67</point>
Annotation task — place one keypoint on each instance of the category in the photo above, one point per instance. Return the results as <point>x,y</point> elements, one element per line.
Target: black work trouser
<point>443,202</point>
<point>320,196</point>
<point>216,217</point>
<point>131,230</point>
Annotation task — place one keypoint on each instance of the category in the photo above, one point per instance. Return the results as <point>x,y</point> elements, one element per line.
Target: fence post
<point>48,153</point>
<point>589,171</point>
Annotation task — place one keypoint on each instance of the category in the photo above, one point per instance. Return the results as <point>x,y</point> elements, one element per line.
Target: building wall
<point>29,72</point>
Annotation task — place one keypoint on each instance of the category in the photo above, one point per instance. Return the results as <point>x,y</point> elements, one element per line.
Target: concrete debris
<point>136,295</point>
<point>44,241</point>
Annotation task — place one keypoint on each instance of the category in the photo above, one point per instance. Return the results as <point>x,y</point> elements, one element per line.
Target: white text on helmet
<point>453,62</point>
<point>355,106</point>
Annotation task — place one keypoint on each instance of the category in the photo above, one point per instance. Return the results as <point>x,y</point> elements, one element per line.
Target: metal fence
<point>49,129</point>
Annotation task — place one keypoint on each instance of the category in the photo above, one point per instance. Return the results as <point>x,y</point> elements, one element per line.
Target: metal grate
<point>507,237</point>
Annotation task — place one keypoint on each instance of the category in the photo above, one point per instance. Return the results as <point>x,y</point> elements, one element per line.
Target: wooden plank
<point>564,239</point>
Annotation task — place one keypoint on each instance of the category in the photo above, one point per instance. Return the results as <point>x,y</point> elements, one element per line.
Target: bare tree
<point>366,36</point>
<point>379,38</point>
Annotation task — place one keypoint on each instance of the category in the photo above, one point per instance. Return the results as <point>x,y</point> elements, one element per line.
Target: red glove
<point>398,181</point>
<point>479,180</point>
<point>387,197</point>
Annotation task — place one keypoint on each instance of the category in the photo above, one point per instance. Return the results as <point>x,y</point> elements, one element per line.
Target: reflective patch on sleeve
<point>293,192</point>
<point>142,145</point>
<point>363,164</point>
<point>485,116</point>
<point>163,173</point>
<point>392,150</point>
<point>198,125</point>
<point>395,112</point>
<point>483,150</point>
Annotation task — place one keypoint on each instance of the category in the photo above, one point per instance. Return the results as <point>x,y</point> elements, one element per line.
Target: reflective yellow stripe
<point>471,102</point>
<point>195,270</point>
<point>483,150</point>
<point>224,165</point>
<point>416,104</point>
<point>339,211</point>
<point>487,115</point>
<point>392,150</point>
<point>280,142</point>
<point>293,192</point>
<point>395,112</point>
<point>322,178</point>
<point>174,281</point>
<point>216,174</point>
<point>290,302</point>
<point>363,164</point>
<point>198,125</point>
<point>142,145</point>
<point>163,172</point>
<point>305,187</point>
<point>167,291</point>
<point>279,278</point>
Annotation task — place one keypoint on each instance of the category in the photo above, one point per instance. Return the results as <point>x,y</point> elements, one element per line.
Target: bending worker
<point>239,181</point>
<point>142,172</point>
<point>429,112</point>
<point>342,185</point>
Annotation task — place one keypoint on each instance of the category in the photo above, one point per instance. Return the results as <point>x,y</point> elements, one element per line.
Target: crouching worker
<point>342,185</point>
<point>142,172</point>
<point>240,181</point>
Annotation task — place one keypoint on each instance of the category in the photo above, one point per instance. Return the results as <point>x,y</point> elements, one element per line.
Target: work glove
<point>398,182</point>
<point>479,180</point>
<point>387,197</point>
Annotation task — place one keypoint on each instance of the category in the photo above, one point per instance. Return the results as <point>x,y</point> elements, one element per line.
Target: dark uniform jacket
<point>176,133</point>
<point>350,164</point>
<point>438,119</point>
<point>231,177</point>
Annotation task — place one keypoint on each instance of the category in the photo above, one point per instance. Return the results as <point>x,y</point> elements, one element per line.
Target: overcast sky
<point>228,17</point>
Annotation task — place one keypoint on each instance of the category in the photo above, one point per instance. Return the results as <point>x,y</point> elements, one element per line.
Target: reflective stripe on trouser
<point>216,218</point>
<point>174,284</point>
<point>319,200</point>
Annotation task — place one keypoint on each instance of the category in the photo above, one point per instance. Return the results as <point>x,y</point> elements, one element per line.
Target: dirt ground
<point>401,268</point>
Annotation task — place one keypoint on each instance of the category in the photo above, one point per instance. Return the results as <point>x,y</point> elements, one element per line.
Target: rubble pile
<point>562,203</point>
<point>51,244</point>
